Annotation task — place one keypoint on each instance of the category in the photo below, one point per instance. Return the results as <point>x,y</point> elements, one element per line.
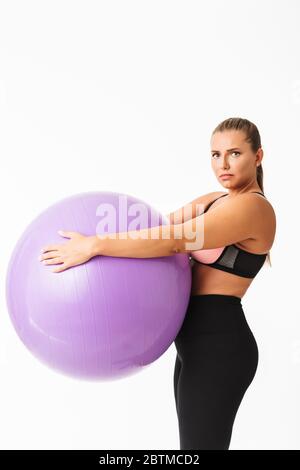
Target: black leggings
<point>216,361</point>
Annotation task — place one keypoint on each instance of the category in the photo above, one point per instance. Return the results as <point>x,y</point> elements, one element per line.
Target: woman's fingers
<point>50,254</point>
<point>53,261</point>
<point>68,234</point>
<point>49,248</point>
<point>60,268</point>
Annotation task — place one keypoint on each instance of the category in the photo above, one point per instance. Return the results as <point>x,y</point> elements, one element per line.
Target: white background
<point>123,96</point>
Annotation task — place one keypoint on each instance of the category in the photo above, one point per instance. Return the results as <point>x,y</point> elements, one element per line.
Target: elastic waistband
<point>221,298</point>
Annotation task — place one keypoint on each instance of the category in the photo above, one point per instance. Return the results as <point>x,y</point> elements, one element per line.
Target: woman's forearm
<point>151,242</point>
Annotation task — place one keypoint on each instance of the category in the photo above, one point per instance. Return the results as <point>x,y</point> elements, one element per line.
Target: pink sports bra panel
<point>207,256</point>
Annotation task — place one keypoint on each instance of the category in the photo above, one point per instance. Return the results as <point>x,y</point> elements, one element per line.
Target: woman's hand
<point>79,249</point>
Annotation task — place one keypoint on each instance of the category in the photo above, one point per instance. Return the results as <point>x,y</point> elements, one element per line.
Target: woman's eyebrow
<point>228,150</point>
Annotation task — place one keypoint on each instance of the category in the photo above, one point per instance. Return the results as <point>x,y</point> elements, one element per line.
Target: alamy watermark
<point>124,221</point>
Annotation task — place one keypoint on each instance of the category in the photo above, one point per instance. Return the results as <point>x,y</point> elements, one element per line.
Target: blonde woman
<point>217,354</point>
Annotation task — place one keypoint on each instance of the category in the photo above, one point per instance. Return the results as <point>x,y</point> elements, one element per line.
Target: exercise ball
<point>104,319</point>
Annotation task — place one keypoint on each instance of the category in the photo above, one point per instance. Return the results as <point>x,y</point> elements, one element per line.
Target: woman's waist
<point>213,313</point>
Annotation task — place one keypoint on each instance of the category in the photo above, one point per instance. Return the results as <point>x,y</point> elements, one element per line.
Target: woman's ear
<point>259,156</point>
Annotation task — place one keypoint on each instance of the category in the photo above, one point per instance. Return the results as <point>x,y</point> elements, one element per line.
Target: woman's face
<point>230,153</point>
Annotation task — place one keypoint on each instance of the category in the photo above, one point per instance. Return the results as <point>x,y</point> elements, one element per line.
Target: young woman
<point>217,355</point>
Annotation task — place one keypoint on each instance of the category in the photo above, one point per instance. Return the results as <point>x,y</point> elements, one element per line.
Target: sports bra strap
<point>211,202</point>
<point>257,192</point>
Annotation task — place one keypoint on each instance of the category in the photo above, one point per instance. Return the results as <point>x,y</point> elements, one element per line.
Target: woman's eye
<point>216,154</point>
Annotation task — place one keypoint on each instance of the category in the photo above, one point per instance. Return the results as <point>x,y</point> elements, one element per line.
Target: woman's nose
<point>224,163</point>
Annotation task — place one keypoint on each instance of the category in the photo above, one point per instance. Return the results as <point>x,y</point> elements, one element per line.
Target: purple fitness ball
<point>104,319</point>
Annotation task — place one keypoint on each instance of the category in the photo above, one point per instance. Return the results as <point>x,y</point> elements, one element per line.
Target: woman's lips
<point>225,176</point>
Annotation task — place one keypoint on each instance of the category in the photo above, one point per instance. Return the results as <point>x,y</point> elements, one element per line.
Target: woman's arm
<point>229,223</point>
<point>219,226</point>
<point>244,216</point>
<point>146,243</point>
<point>191,209</point>
<point>151,242</point>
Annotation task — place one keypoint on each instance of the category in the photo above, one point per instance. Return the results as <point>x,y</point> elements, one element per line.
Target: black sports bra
<point>235,260</point>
